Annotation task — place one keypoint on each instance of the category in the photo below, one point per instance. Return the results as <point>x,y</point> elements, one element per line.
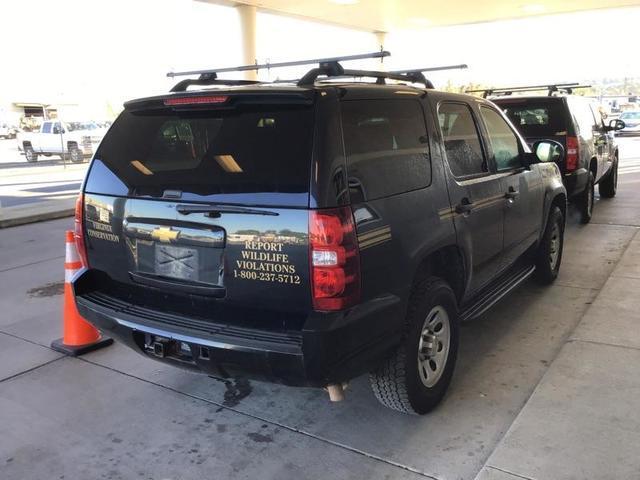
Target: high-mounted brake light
<point>78,231</point>
<point>196,100</point>
<point>334,258</point>
<point>573,154</point>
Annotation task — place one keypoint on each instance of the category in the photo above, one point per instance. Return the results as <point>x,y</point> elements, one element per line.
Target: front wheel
<point>415,378</point>
<point>549,253</point>
<point>609,185</point>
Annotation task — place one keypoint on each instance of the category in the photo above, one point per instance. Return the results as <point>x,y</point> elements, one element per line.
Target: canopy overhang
<point>392,15</point>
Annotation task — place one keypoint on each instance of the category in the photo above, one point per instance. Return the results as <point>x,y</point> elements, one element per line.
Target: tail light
<point>78,230</point>
<point>573,154</point>
<point>334,257</point>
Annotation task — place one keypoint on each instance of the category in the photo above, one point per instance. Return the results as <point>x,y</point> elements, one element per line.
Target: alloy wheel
<point>433,348</point>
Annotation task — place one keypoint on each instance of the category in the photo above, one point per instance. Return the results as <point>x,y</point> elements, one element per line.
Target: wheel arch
<point>449,263</point>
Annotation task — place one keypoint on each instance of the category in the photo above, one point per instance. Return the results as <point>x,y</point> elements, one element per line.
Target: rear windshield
<point>256,155</point>
<point>536,118</point>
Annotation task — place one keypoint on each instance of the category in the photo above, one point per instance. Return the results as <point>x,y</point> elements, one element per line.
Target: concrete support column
<point>248,32</point>
<point>380,38</point>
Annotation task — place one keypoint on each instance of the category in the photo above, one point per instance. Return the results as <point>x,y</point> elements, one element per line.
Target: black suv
<point>309,233</point>
<point>576,122</point>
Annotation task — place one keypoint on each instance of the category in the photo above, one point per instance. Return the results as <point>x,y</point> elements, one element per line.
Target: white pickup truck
<point>73,140</point>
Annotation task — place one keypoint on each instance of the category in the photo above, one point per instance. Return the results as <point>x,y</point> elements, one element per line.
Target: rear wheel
<point>585,202</point>
<point>30,155</point>
<point>549,254</point>
<point>415,378</point>
<point>75,154</point>
<point>609,185</point>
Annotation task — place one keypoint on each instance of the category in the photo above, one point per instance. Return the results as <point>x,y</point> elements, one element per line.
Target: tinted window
<point>46,127</point>
<point>461,140</point>
<point>386,147</point>
<point>247,154</point>
<point>56,128</point>
<point>504,143</point>
<point>537,117</point>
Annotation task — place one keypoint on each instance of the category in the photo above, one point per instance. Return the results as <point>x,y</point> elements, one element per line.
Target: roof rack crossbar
<point>244,68</point>
<point>461,66</point>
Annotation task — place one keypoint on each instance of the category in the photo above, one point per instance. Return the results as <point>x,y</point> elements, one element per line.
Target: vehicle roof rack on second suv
<point>551,88</point>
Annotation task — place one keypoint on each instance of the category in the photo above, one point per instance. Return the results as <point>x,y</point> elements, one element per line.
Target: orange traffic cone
<point>79,335</point>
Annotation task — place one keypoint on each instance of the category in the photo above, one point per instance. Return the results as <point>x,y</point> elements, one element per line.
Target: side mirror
<point>615,125</point>
<point>548,151</point>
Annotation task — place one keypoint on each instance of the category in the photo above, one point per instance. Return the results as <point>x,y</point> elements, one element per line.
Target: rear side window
<point>504,143</point>
<point>246,154</point>
<point>537,117</point>
<point>386,147</point>
<point>461,140</point>
<point>583,115</point>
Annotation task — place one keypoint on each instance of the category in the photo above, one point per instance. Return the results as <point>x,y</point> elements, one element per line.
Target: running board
<point>489,298</point>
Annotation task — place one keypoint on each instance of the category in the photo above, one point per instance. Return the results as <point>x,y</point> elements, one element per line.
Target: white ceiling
<point>390,15</point>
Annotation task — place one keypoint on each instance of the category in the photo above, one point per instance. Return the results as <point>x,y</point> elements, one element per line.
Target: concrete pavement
<point>546,387</point>
<point>32,193</point>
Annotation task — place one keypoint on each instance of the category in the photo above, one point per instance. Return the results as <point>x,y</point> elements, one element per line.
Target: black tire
<point>75,154</point>
<point>30,155</point>
<point>586,200</point>
<point>549,253</point>
<point>398,383</point>
<point>609,185</point>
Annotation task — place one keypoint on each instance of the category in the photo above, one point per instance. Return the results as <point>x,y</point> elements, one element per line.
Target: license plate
<point>176,262</point>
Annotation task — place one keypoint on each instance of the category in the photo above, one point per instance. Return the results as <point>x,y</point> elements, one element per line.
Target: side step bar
<point>489,298</point>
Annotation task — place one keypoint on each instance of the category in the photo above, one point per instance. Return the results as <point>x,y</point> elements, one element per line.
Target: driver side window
<point>504,143</point>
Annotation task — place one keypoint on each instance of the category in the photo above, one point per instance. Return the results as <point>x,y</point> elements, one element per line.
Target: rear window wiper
<point>217,210</point>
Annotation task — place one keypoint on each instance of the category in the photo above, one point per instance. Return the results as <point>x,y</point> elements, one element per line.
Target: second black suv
<point>308,233</point>
<point>576,122</point>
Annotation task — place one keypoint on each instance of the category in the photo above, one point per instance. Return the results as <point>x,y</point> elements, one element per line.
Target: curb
<point>32,214</point>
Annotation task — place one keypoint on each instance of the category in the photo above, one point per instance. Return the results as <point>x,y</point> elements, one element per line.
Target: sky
<point>91,51</point>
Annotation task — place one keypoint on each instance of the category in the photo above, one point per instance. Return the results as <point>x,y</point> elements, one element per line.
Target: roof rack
<point>551,89</point>
<point>210,76</point>
<point>336,71</point>
<point>414,75</point>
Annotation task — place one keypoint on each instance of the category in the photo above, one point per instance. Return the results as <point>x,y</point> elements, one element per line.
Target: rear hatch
<point>200,207</point>
<point>538,118</point>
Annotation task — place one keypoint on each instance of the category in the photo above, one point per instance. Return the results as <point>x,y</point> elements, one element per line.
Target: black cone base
<point>75,350</point>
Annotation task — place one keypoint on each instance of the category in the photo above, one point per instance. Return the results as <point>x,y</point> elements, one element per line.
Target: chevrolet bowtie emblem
<point>165,234</point>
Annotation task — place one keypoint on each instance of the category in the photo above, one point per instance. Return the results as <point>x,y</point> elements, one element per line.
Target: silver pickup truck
<point>73,140</point>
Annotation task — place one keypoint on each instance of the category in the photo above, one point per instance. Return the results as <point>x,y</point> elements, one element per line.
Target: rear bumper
<point>575,182</point>
<point>331,348</point>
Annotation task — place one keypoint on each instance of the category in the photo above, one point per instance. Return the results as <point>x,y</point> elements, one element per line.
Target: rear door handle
<point>512,194</point>
<point>465,206</point>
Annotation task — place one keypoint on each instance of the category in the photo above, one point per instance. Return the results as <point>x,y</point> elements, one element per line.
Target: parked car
<point>313,232</point>
<point>631,123</point>
<point>7,131</point>
<point>575,122</point>
<point>75,140</point>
